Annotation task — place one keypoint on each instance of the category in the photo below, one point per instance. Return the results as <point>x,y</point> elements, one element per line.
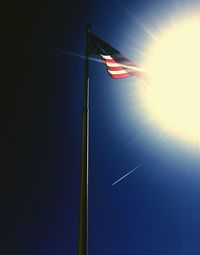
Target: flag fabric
<point>118,66</point>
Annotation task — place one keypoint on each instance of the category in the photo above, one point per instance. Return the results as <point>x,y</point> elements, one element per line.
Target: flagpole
<point>83,223</point>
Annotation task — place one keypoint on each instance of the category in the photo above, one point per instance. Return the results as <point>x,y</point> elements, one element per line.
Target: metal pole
<point>83,224</point>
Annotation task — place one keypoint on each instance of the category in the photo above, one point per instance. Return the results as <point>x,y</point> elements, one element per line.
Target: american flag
<point>117,65</point>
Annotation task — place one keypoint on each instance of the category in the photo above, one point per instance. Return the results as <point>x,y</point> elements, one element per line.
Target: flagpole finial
<point>87,27</point>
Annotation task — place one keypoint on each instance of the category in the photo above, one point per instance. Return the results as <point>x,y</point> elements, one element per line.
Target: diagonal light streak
<point>124,176</point>
<point>70,53</point>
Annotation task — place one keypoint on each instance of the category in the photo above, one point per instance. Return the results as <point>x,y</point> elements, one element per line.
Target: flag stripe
<point>119,76</point>
<point>118,66</point>
<point>116,56</point>
<point>114,60</point>
<point>124,66</point>
<point>121,62</point>
<point>120,71</point>
<point>117,72</point>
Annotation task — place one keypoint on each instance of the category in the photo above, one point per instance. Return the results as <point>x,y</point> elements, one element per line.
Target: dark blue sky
<point>152,212</point>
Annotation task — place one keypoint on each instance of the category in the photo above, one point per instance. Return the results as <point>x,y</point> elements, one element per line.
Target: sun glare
<point>173,66</point>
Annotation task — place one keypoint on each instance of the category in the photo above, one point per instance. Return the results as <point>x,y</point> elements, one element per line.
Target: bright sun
<point>173,66</point>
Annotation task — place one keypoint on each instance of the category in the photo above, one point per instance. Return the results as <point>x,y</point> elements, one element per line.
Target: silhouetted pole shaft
<point>83,224</point>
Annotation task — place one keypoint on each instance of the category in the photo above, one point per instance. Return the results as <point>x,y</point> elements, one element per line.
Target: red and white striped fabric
<point>117,65</point>
<point>120,67</point>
